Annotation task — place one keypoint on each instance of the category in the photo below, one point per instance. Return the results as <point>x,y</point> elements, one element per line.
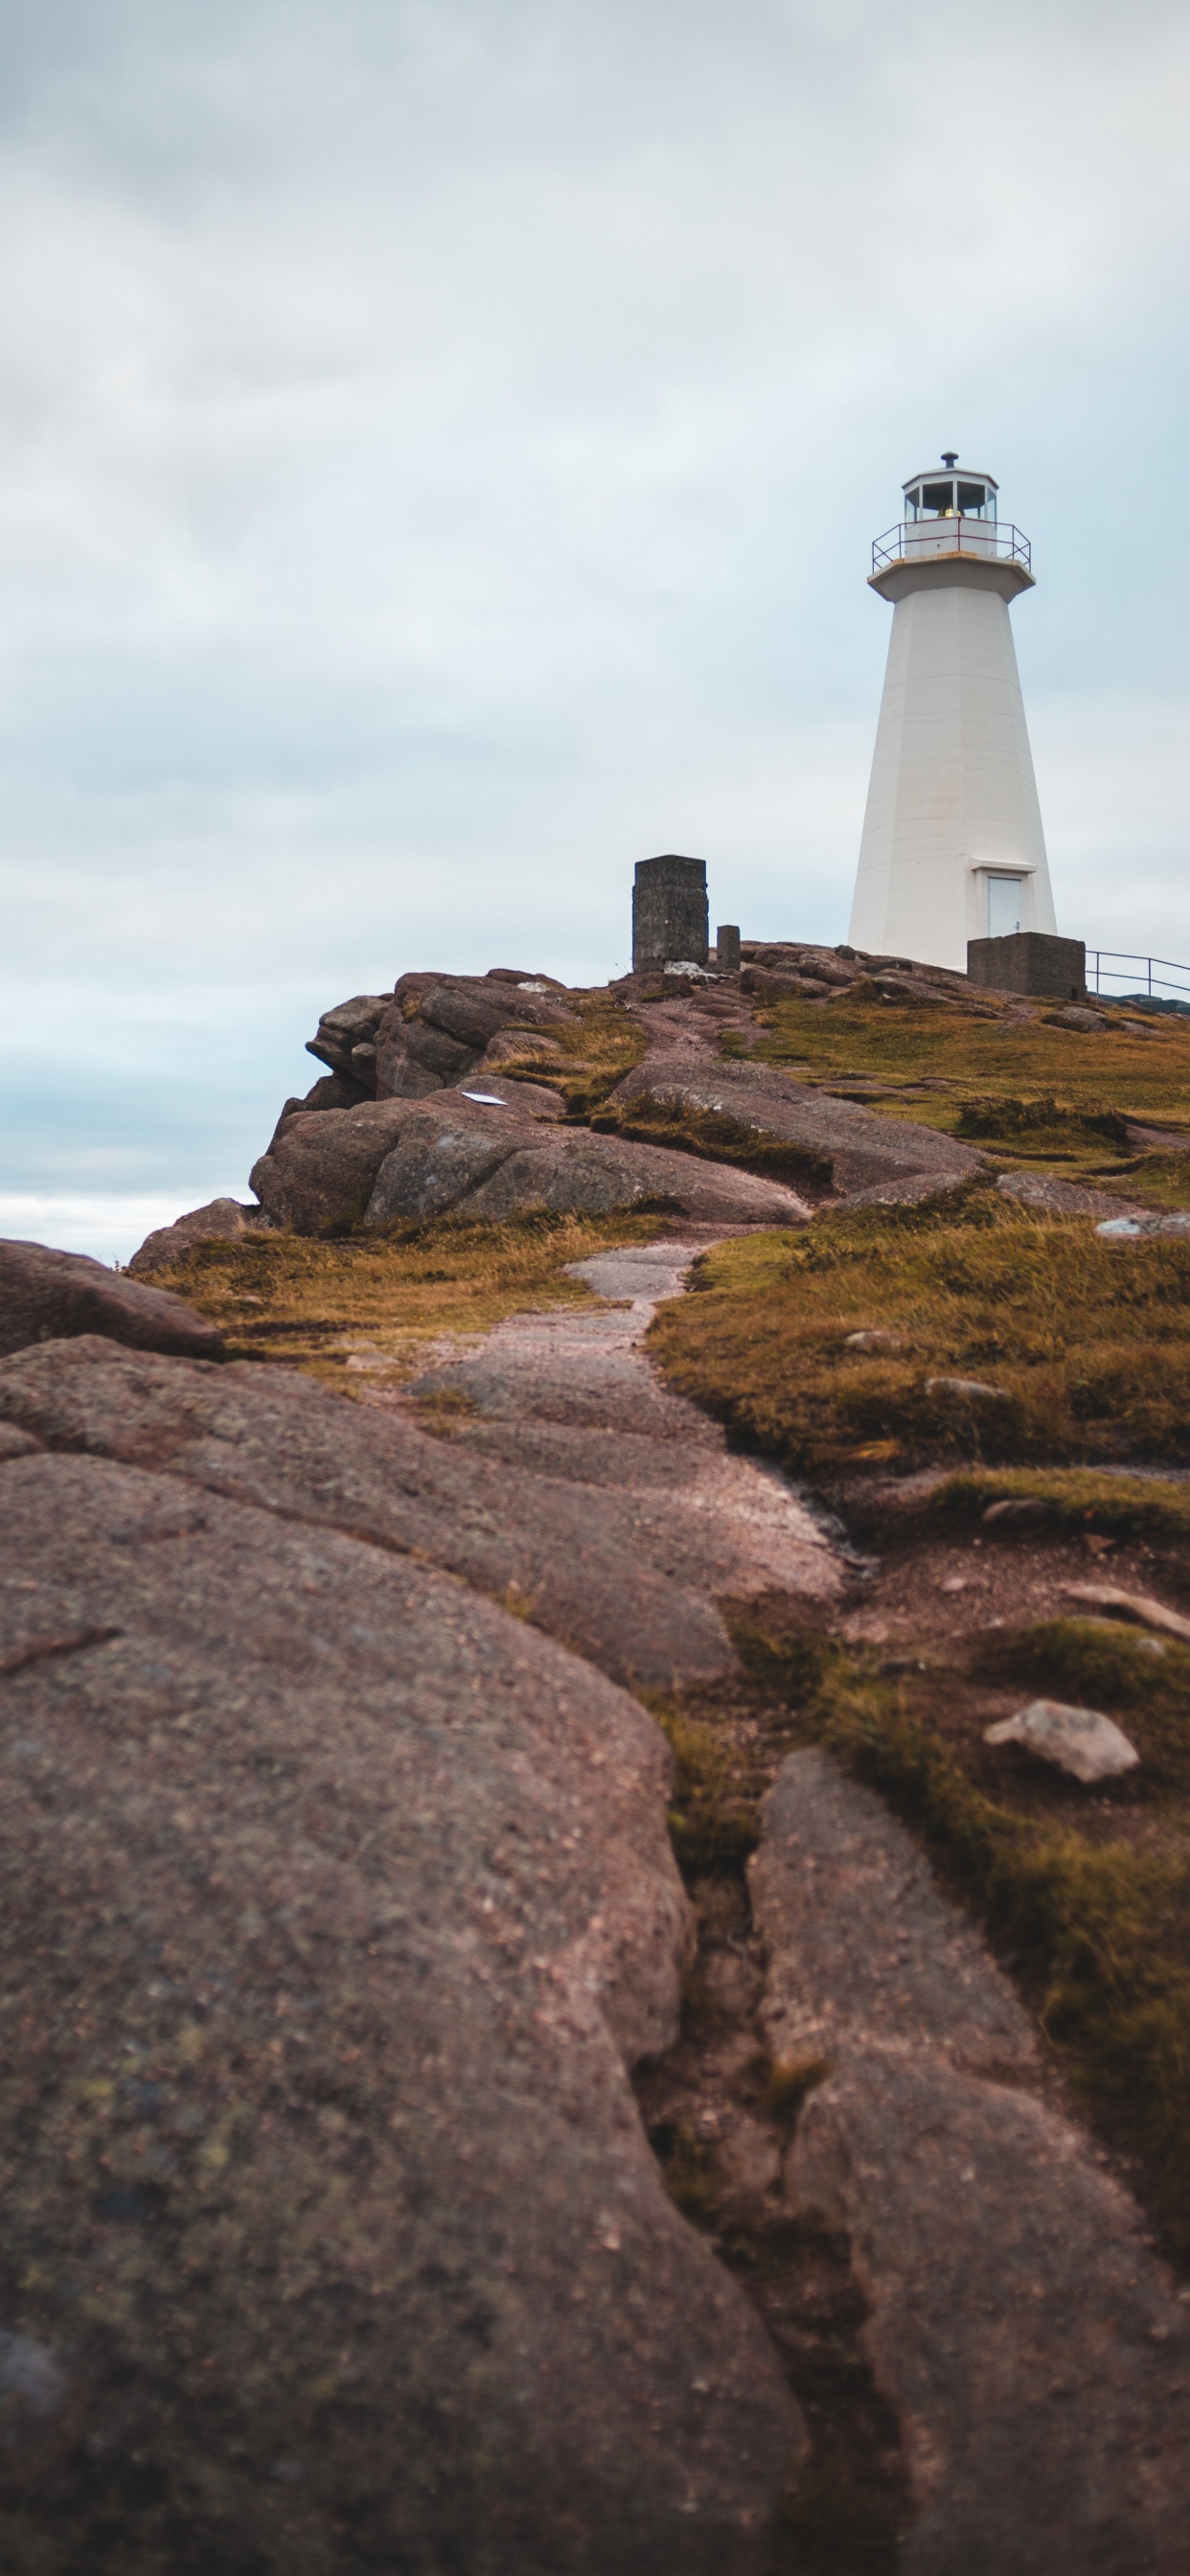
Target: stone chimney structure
<point>670,921</point>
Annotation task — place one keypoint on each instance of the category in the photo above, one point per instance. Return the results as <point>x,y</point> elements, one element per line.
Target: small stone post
<point>669,913</point>
<point>727,948</point>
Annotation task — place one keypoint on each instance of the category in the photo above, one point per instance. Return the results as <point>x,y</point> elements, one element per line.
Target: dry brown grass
<point>592,1058</point>
<point>1086,1344</point>
<point>1017,1063</point>
<point>322,1306</point>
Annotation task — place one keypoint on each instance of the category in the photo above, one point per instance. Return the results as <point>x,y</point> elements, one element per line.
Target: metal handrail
<point>1157,985</point>
<point>995,540</point>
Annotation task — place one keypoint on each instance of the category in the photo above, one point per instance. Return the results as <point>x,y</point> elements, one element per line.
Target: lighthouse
<point>952,844</point>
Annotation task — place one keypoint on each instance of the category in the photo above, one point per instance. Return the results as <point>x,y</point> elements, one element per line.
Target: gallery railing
<point>993,539</point>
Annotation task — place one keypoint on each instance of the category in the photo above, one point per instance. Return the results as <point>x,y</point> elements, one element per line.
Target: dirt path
<point>570,1395</point>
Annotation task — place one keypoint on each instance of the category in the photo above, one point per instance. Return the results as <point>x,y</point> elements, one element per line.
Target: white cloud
<point>439,449</point>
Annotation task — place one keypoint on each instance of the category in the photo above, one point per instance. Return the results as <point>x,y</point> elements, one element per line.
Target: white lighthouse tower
<point>952,845</point>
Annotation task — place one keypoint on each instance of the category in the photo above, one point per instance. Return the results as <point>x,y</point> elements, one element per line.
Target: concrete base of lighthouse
<point>952,847</point>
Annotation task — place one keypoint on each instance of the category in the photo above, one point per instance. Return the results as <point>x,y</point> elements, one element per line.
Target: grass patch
<point>717,1137</point>
<point>380,1298</point>
<point>1158,1180</point>
<point>1041,1128</point>
<point>1086,1344</point>
<point>1119,1506</point>
<point>591,1058</point>
<point>1098,1931</point>
<point>1146,1079</point>
<point>714,1813</point>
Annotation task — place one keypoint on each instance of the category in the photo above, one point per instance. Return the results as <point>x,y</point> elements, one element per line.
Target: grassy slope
<point>962,1062</point>
<point>319,1305</point>
<point>1086,1343</point>
<point>1088,1901</point>
<point>587,1062</point>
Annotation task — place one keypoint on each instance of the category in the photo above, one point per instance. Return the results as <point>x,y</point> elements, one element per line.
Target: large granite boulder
<point>513,1167</point>
<point>45,1294</point>
<point>431,1030</point>
<point>1032,2349</point>
<point>318,1174</point>
<point>402,1161</point>
<point>597,1576</point>
<point>444,1026</point>
<point>338,1904</point>
<point>220,1221</point>
<point>864,1151</point>
<point>346,1035</point>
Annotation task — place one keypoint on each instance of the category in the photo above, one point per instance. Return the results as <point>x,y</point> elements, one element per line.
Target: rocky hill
<point>595,1724</point>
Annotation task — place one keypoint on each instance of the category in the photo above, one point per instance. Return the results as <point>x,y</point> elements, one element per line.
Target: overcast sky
<point>441,446</point>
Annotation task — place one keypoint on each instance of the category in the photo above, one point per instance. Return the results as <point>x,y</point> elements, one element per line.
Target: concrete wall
<point>952,790</point>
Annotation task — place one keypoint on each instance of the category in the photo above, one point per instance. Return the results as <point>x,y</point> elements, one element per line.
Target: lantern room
<point>950,495</point>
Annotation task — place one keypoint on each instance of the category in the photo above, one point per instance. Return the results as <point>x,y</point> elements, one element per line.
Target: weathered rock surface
<point>865,1952</point>
<point>437,1029</point>
<point>318,1173</point>
<point>347,1900</point>
<point>637,1599</point>
<point>1032,2348</point>
<point>596,1175</point>
<point>969,1390</point>
<point>1088,1023</point>
<point>220,1221</point>
<point>1142,1225</point>
<point>1018,1511</point>
<point>394,1161</point>
<point>1142,1606</point>
<point>45,1295</point>
<point>1077,1740</point>
<point>348,1026</point>
<point>430,1031</point>
<point>863,1150</point>
<point>1061,1198</point>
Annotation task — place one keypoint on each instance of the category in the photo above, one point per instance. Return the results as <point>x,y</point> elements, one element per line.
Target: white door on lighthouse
<point>1005,906</point>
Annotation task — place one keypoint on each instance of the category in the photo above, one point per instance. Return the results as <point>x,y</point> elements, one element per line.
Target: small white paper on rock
<point>1078,1740</point>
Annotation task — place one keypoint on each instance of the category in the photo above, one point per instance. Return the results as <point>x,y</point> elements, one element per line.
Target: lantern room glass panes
<point>954,497</point>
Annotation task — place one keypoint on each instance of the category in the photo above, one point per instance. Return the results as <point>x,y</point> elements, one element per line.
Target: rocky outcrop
<point>220,1221</point>
<point>401,1161</point>
<point>318,1174</point>
<point>1054,1197</point>
<point>266,1436</point>
<point>782,970</point>
<point>1032,2348</point>
<point>45,1295</point>
<point>348,1153</point>
<point>861,1151</point>
<point>338,1904</point>
<point>430,1031</point>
